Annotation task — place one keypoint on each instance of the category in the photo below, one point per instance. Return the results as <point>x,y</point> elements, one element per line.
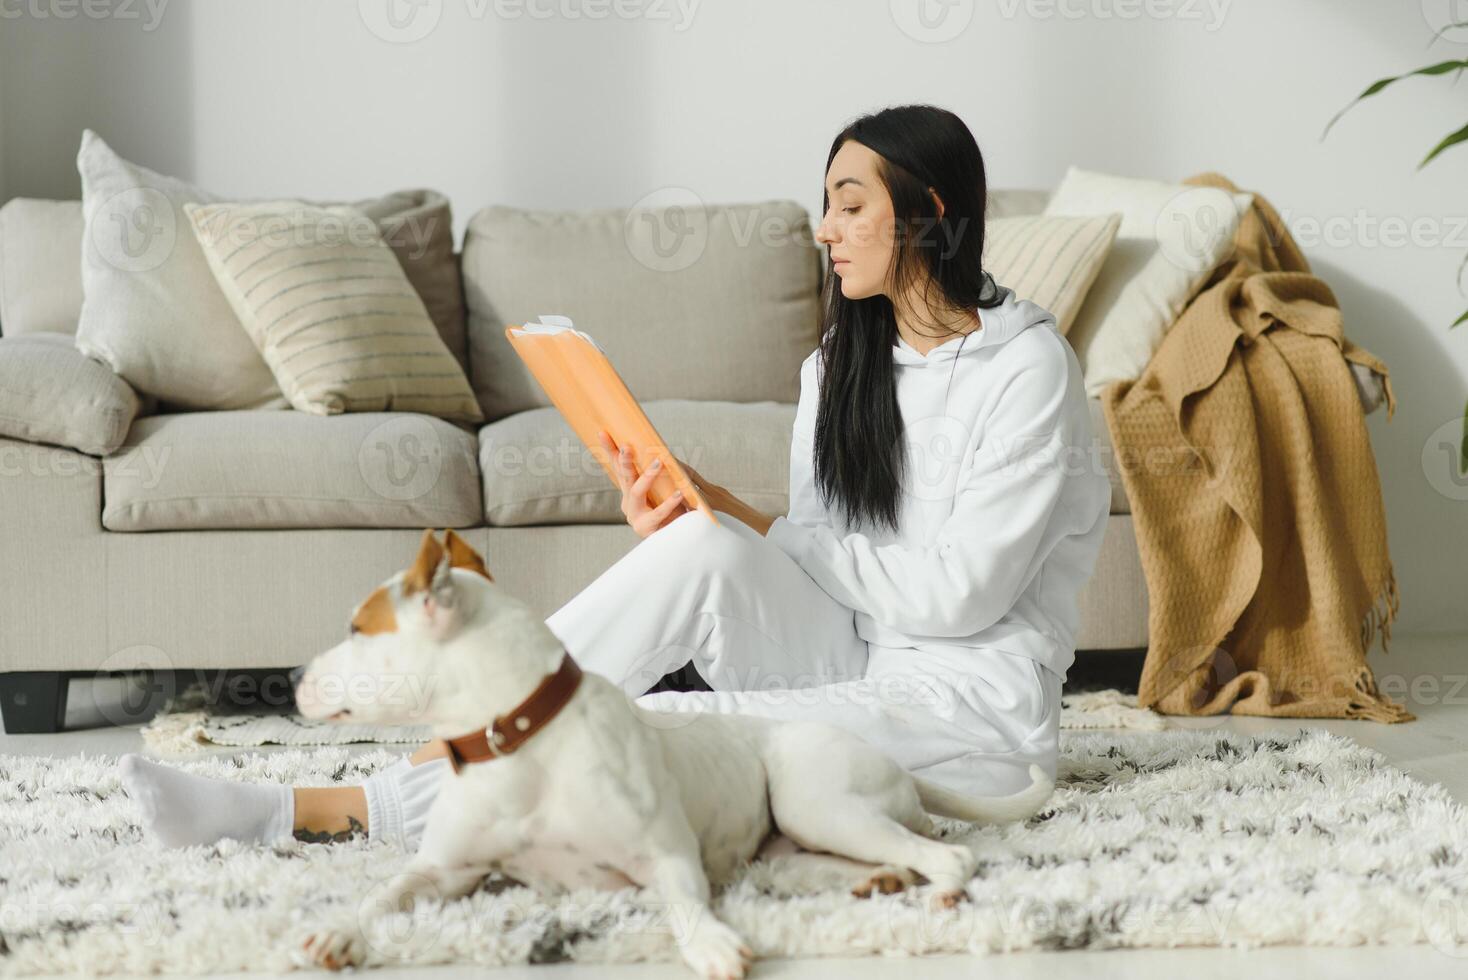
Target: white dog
<point>561,781</point>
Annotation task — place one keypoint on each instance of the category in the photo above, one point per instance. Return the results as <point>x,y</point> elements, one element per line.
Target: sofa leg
<point>33,702</point>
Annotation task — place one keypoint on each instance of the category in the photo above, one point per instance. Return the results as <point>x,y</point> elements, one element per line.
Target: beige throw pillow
<point>1172,237</point>
<point>327,304</point>
<point>1051,261</point>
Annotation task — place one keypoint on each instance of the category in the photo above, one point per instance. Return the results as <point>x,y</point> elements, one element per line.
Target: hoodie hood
<point>1000,325</point>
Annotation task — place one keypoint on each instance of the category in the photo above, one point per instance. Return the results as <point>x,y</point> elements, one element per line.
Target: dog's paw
<point>716,952</point>
<point>944,899</point>
<point>886,880</point>
<point>334,949</point>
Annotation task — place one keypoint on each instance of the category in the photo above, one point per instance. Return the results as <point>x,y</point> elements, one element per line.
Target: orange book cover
<point>579,379</point>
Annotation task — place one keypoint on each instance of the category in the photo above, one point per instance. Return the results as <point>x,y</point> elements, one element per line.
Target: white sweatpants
<point>771,642</point>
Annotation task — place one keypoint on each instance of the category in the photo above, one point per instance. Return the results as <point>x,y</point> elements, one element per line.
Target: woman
<point>922,591</point>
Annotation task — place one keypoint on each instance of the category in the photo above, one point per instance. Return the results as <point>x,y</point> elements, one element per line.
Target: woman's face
<point>858,224</point>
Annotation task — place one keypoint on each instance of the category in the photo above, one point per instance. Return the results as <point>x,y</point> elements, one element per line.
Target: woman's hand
<point>641,516</point>
<point>722,500</point>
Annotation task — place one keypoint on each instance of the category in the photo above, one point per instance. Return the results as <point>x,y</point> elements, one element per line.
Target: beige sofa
<point>244,539</point>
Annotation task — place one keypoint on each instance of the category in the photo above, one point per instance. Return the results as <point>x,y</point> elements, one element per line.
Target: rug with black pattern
<point>1196,838</point>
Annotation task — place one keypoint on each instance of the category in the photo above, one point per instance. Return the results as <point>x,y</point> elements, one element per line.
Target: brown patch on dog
<point>463,555</point>
<point>885,881</point>
<point>376,615</point>
<point>418,577</point>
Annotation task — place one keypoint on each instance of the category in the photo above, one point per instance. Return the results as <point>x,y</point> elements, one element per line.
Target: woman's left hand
<point>720,499</point>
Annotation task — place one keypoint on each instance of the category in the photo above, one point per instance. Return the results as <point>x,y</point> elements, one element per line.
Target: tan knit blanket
<point>1254,493</point>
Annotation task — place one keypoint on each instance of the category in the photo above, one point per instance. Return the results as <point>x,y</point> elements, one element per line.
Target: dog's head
<point>438,644</point>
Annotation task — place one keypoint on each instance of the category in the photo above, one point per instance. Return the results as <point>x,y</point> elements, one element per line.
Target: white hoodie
<point>1004,504</point>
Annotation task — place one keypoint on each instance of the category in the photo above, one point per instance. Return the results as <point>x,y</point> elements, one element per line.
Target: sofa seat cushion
<point>287,469</point>
<point>536,471</point>
<point>1106,455</point>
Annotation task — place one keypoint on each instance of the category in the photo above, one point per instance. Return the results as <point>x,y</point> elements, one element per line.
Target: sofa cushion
<point>419,227</point>
<point>1172,237</point>
<point>287,469</point>
<point>716,303</point>
<point>152,310</point>
<point>1015,203</point>
<point>536,471</point>
<point>1051,261</point>
<point>40,266</point>
<point>330,308</point>
<point>1106,457</point>
<point>51,392</point>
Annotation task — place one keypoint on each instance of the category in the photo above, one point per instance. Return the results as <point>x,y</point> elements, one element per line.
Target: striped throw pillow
<point>331,310</point>
<point>1051,261</point>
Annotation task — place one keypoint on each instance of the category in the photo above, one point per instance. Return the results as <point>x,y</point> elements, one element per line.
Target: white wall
<point>741,101</point>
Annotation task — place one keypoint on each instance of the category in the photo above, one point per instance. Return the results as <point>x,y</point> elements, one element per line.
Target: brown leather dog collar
<point>510,731</point>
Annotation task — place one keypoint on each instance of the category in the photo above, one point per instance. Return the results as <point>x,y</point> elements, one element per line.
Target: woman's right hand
<point>643,518</point>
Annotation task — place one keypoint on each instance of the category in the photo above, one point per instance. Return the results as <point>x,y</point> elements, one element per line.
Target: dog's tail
<point>987,809</point>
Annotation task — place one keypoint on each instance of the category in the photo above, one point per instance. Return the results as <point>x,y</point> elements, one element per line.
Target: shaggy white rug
<point>189,725</point>
<point>1166,839</point>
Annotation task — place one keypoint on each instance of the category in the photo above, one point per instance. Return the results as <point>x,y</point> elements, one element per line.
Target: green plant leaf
<point>1459,320</point>
<point>1463,448</point>
<point>1442,68</point>
<point>1452,139</point>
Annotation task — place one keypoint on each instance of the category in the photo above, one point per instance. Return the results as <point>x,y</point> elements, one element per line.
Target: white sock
<point>399,798</point>
<point>182,809</point>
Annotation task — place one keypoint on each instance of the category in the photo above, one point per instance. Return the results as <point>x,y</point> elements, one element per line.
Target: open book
<point>579,379</point>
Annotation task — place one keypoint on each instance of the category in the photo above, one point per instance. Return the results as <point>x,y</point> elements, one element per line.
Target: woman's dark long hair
<point>859,454</point>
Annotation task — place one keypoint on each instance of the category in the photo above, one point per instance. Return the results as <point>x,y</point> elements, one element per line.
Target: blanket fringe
<point>1370,704</point>
<point>1379,617</point>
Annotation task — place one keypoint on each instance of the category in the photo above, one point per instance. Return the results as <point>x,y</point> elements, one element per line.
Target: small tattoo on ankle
<point>354,829</point>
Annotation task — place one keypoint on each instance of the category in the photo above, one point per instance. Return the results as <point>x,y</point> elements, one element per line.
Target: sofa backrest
<point>723,309</point>
<point>713,302</point>
<point>40,266</point>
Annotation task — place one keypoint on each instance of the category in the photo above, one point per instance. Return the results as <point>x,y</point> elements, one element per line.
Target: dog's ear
<point>430,583</point>
<point>419,577</point>
<point>463,555</point>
